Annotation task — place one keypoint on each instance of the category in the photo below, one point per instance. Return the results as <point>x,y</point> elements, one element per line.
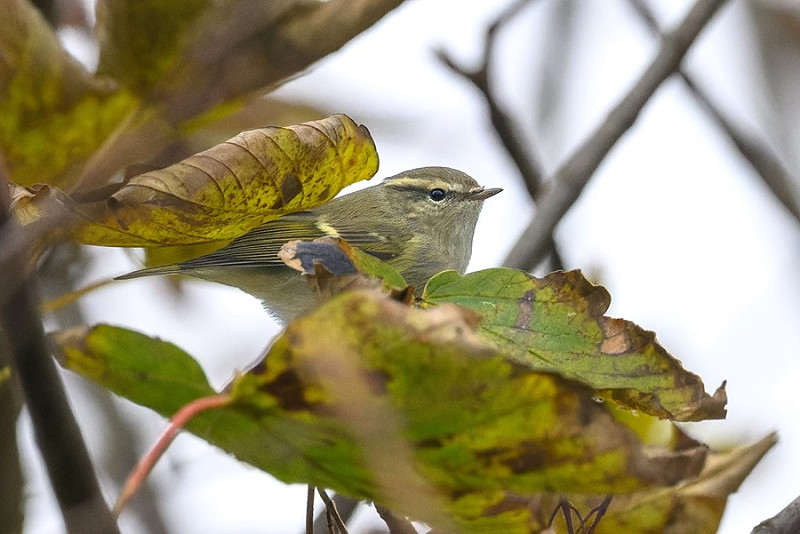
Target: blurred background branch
<point>59,273</point>
<point>764,161</point>
<point>57,433</point>
<point>573,175</point>
<point>787,521</point>
<point>520,149</point>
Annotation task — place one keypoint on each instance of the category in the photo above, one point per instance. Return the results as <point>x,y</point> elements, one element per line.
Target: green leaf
<point>378,400</point>
<point>53,113</point>
<point>225,191</point>
<point>147,371</point>
<point>556,324</point>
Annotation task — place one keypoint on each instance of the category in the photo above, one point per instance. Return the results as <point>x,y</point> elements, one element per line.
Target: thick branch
<point>57,435</point>
<point>12,487</point>
<point>58,274</point>
<point>786,522</point>
<point>570,179</point>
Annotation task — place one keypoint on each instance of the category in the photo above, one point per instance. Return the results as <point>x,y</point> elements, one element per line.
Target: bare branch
<point>396,524</point>
<point>787,521</point>
<point>12,489</point>
<point>767,164</point>
<point>510,134</point>
<point>57,433</point>
<point>345,505</point>
<point>330,506</point>
<point>570,179</point>
<point>310,510</point>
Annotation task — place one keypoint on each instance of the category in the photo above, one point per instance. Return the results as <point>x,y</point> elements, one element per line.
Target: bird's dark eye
<point>437,195</point>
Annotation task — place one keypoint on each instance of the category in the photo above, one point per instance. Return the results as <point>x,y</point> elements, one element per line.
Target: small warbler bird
<point>420,221</point>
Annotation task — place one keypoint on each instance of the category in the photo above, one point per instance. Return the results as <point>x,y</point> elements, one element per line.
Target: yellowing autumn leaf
<point>225,191</point>
<point>695,505</point>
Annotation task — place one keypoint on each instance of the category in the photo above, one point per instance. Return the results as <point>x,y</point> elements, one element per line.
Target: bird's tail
<point>151,271</point>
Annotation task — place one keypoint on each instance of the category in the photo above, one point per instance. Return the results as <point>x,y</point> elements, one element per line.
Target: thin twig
<point>519,149</point>
<point>331,525</point>
<point>599,512</point>
<point>73,296</point>
<point>345,505</point>
<point>570,179</point>
<point>567,509</point>
<point>331,507</point>
<point>554,514</point>
<point>396,524</point>
<point>310,510</point>
<point>510,134</point>
<point>761,158</point>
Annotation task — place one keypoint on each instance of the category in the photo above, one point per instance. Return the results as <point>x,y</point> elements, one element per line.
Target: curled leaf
<point>334,255</point>
<point>556,323</point>
<point>223,192</point>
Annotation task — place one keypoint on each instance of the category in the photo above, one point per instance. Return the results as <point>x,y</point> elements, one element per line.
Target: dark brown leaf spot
<point>526,457</point>
<point>377,381</point>
<point>525,309</point>
<point>509,503</point>
<point>288,390</point>
<point>116,207</point>
<point>290,187</point>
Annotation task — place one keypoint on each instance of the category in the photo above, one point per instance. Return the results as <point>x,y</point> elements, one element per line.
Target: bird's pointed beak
<point>483,193</point>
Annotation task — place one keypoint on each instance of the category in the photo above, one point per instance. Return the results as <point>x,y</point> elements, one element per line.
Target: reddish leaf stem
<point>176,423</point>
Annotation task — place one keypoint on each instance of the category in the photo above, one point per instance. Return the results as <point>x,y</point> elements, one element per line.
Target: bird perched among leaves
<point>420,221</point>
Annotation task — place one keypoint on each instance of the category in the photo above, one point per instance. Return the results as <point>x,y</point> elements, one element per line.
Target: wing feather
<point>260,246</point>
